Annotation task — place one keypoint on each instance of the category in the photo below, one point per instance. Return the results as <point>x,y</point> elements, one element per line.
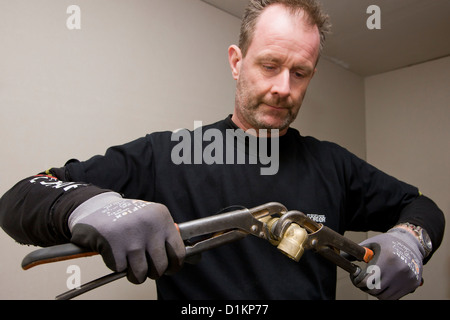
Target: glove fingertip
<point>175,258</point>
<point>135,279</point>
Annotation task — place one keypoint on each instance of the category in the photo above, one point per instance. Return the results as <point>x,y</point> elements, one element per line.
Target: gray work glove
<point>396,268</point>
<point>131,235</point>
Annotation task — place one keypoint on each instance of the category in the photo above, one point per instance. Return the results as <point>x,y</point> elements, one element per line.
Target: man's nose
<point>281,84</point>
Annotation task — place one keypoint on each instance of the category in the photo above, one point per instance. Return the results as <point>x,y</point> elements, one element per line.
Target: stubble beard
<point>249,106</point>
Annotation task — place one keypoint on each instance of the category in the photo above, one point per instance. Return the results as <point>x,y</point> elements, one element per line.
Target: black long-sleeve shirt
<point>318,178</point>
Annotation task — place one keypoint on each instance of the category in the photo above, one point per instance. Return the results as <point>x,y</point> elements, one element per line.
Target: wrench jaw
<point>294,232</point>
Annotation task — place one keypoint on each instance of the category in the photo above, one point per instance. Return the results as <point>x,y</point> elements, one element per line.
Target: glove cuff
<point>91,205</point>
<point>408,238</point>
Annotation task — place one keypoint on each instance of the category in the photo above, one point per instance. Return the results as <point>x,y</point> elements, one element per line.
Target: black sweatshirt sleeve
<point>378,202</point>
<point>425,213</point>
<point>36,209</point>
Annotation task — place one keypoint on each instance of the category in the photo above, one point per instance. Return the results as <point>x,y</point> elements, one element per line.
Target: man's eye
<point>268,67</point>
<point>299,75</point>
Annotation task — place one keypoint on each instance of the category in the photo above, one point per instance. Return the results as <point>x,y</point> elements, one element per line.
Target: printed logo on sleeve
<point>51,182</point>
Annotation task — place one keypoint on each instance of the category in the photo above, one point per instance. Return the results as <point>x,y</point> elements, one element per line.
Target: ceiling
<point>412,32</point>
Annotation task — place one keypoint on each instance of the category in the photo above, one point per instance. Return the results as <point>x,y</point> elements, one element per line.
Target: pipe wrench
<point>291,231</point>
<point>199,235</point>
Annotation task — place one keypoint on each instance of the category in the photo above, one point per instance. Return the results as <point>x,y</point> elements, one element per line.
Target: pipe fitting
<point>271,223</point>
<point>292,242</point>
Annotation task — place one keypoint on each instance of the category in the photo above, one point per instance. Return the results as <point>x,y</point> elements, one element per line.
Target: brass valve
<point>292,242</point>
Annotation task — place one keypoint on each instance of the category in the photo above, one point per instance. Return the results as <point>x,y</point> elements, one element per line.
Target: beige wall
<point>134,67</point>
<point>408,121</point>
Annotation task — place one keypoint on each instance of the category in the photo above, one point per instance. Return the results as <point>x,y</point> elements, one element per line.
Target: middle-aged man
<point>157,180</point>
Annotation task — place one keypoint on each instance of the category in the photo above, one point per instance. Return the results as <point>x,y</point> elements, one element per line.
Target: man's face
<point>273,76</point>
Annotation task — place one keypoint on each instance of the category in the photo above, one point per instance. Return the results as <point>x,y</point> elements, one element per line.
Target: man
<point>124,204</point>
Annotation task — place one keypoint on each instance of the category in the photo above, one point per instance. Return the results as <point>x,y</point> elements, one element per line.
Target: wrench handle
<point>56,253</point>
<point>368,255</point>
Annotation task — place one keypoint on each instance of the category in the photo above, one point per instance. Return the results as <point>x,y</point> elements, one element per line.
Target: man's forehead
<point>277,25</point>
<point>278,18</point>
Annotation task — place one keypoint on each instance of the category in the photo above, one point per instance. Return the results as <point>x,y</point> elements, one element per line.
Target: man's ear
<point>235,60</point>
